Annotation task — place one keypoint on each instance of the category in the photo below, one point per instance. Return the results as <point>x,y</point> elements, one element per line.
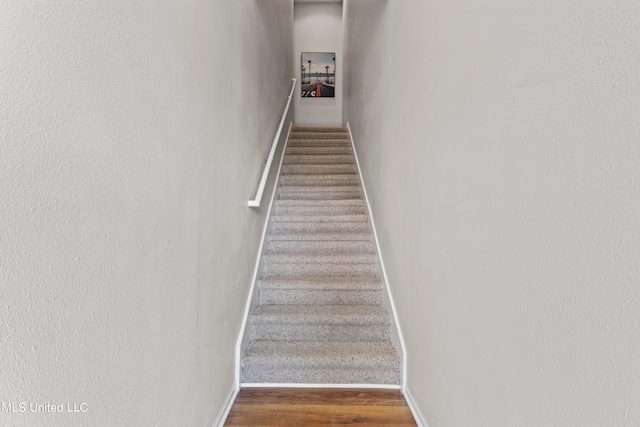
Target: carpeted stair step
<point>319,135</point>
<point>320,218</point>
<point>330,169</point>
<point>320,180</point>
<point>321,258</point>
<point>314,362</point>
<point>318,159</point>
<point>312,150</point>
<point>318,227</point>
<point>293,192</point>
<point>317,224</point>
<point>319,246</point>
<point>320,242</point>
<point>319,207</point>
<point>320,264</point>
<point>320,291</point>
<point>320,323</point>
<point>318,188</point>
<point>322,129</point>
<point>320,317</point>
<point>294,143</point>
<point>321,283</point>
<point>320,195</point>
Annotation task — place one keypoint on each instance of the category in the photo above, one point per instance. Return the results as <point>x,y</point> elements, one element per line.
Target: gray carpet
<point>320,317</point>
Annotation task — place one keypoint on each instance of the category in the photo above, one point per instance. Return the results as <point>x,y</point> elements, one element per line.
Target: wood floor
<point>319,407</point>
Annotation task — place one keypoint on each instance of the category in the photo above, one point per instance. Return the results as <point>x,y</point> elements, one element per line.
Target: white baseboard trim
<point>413,407</point>
<point>384,270</point>
<point>226,408</point>
<point>294,385</point>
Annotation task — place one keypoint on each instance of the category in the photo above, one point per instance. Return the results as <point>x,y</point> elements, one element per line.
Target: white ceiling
<point>317,1</point>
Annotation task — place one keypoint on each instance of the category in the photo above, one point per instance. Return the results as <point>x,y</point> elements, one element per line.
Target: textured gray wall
<point>132,136</point>
<point>499,143</point>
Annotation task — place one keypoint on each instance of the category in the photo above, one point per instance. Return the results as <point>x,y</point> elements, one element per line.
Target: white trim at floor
<point>293,385</point>
<point>415,410</point>
<point>226,408</point>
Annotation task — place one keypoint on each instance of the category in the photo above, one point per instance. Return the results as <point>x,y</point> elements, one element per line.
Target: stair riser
<point>318,169</point>
<point>320,284</point>
<point>316,143</point>
<point>310,332</point>
<point>323,129</point>
<point>320,237</point>
<point>323,204</point>
<point>309,375</point>
<point>319,135</point>
<point>320,159</point>
<point>319,297</point>
<point>354,258</point>
<point>319,227</point>
<point>306,180</point>
<point>320,246</point>
<point>345,149</point>
<point>319,270</point>
<point>309,258</point>
<point>327,190</point>
<point>319,210</point>
<point>359,203</point>
<point>321,218</point>
<point>319,195</point>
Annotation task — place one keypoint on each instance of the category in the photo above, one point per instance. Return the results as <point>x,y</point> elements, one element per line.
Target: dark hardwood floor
<point>319,407</point>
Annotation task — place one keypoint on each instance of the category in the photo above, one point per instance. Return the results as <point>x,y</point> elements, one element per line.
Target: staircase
<point>319,317</point>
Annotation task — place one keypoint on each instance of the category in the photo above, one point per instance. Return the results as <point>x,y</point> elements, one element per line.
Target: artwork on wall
<point>318,79</point>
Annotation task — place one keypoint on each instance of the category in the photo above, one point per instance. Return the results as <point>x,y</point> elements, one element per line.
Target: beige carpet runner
<point>320,317</point>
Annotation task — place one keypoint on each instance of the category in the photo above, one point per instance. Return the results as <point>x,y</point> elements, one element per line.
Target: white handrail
<point>265,174</point>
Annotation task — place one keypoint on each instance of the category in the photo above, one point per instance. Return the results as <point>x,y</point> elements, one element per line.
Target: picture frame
<point>318,74</point>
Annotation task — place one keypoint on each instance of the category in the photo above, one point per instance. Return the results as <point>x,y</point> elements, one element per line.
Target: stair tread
<point>321,354</point>
<point>314,203</point>
<point>317,143</point>
<point>318,354</point>
<point>319,129</point>
<point>320,180</point>
<point>324,176</point>
<point>318,135</point>
<point>324,206</point>
<point>320,195</point>
<point>319,227</point>
<point>320,218</point>
<point>321,258</point>
<point>319,159</point>
<point>327,269</point>
<point>339,149</point>
<point>315,237</point>
<point>315,169</point>
<point>308,243</point>
<point>323,188</point>
<point>300,139</point>
<point>303,294</point>
<point>318,156</point>
<point>363,315</point>
<point>320,283</point>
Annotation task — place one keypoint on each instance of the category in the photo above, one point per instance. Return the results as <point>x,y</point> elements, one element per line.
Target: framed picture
<point>318,78</point>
